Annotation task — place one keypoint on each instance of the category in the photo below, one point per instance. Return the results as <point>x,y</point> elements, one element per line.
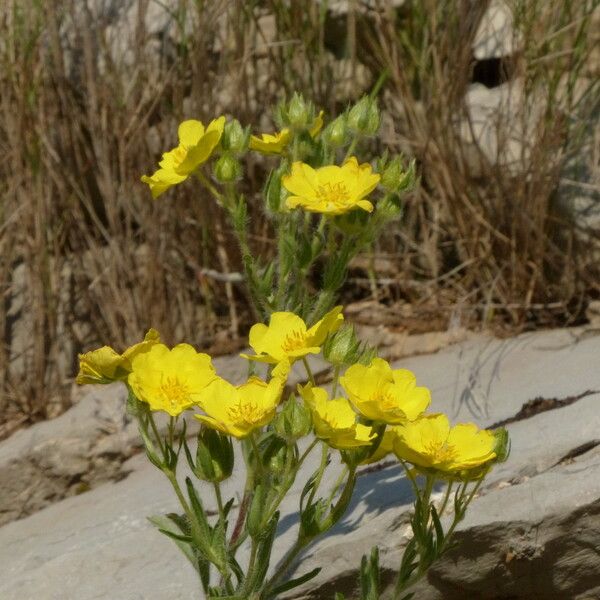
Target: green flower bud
<point>313,519</point>
<point>235,137</point>
<point>278,456</point>
<point>364,117</point>
<point>336,133</point>
<point>389,207</point>
<point>254,522</point>
<point>228,169</point>
<point>502,444</point>
<point>299,112</point>
<point>343,347</point>
<point>214,456</point>
<point>395,179</point>
<point>293,422</point>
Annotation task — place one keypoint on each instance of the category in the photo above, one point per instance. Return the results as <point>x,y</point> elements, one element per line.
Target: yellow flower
<point>239,410</point>
<point>196,144</point>
<point>335,420</point>
<point>170,380</point>
<point>331,190</point>
<point>271,143</point>
<point>288,338</point>
<point>382,394</point>
<point>104,365</point>
<point>275,143</point>
<point>430,443</point>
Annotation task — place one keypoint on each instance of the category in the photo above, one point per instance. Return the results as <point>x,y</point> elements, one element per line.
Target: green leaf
<point>408,563</point>
<point>292,583</point>
<point>167,525</point>
<point>439,530</point>
<point>263,556</point>
<point>369,576</point>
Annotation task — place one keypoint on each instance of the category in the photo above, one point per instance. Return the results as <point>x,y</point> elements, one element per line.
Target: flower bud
<point>342,348</point>
<point>389,207</point>
<point>395,179</point>
<point>299,112</point>
<point>364,116</point>
<point>502,444</point>
<point>254,522</point>
<point>235,137</point>
<point>277,455</point>
<point>228,169</point>
<point>214,456</point>
<point>293,422</point>
<point>336,133</point>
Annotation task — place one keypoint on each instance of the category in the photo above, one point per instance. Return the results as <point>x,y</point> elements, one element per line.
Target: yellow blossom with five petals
<point>288,338</point>
<point>105,365</point>
<point>239,410</point>
<point>331,190</point>
<point>430,443</point>
<point>275,143</point>
<point>196,144</point>
<point>335,420</point>
<point>382,394</point>
<point>170,379</point>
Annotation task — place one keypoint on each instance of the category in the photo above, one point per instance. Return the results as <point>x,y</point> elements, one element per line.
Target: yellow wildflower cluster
<point>383,408</point>
<point>330,190</point>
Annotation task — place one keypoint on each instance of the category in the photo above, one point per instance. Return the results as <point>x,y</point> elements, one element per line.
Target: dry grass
<point>85,108</point>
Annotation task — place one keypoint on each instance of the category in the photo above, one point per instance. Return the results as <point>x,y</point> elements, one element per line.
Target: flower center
<point>440,453</point>
<point>385,400</point>
<point>294,341</point>
<point>244,413</point>
<point>334,194</point>
<point>176,393</point>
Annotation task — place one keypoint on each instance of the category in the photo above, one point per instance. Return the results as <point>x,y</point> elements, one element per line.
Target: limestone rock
<point>67,455</point>
<point>496,35</point>
<point>531,533</point>
<point>499,126</point>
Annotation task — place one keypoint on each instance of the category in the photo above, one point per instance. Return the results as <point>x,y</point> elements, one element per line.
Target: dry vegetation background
<point>91,93</point>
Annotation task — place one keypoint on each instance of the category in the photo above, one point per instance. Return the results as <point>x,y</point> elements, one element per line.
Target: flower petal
<point>190,132</point>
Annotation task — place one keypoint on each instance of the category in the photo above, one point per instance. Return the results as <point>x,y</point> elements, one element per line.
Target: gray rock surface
<point>532,532</point>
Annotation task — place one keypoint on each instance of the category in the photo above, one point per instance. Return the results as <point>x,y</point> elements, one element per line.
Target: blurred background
<point>498,102</point>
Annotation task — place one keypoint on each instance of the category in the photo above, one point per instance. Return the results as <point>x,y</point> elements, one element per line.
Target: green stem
<point>411,478</point>
<point>172,421</point>
<point>423,567</point>
<point>352,147</point>
<point>286,562</point>
<point>157,436</point>
<point>308,370</point>
<point>219,498</point>
<point>336,378</point>
<point>445,500</point>
<point>459,517</point>
<point>210,187</point>
<point>336,485</point>
<point>321,471</point>
<point>281,279</point>
<point>259,465</point>
<point>307,452</point>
